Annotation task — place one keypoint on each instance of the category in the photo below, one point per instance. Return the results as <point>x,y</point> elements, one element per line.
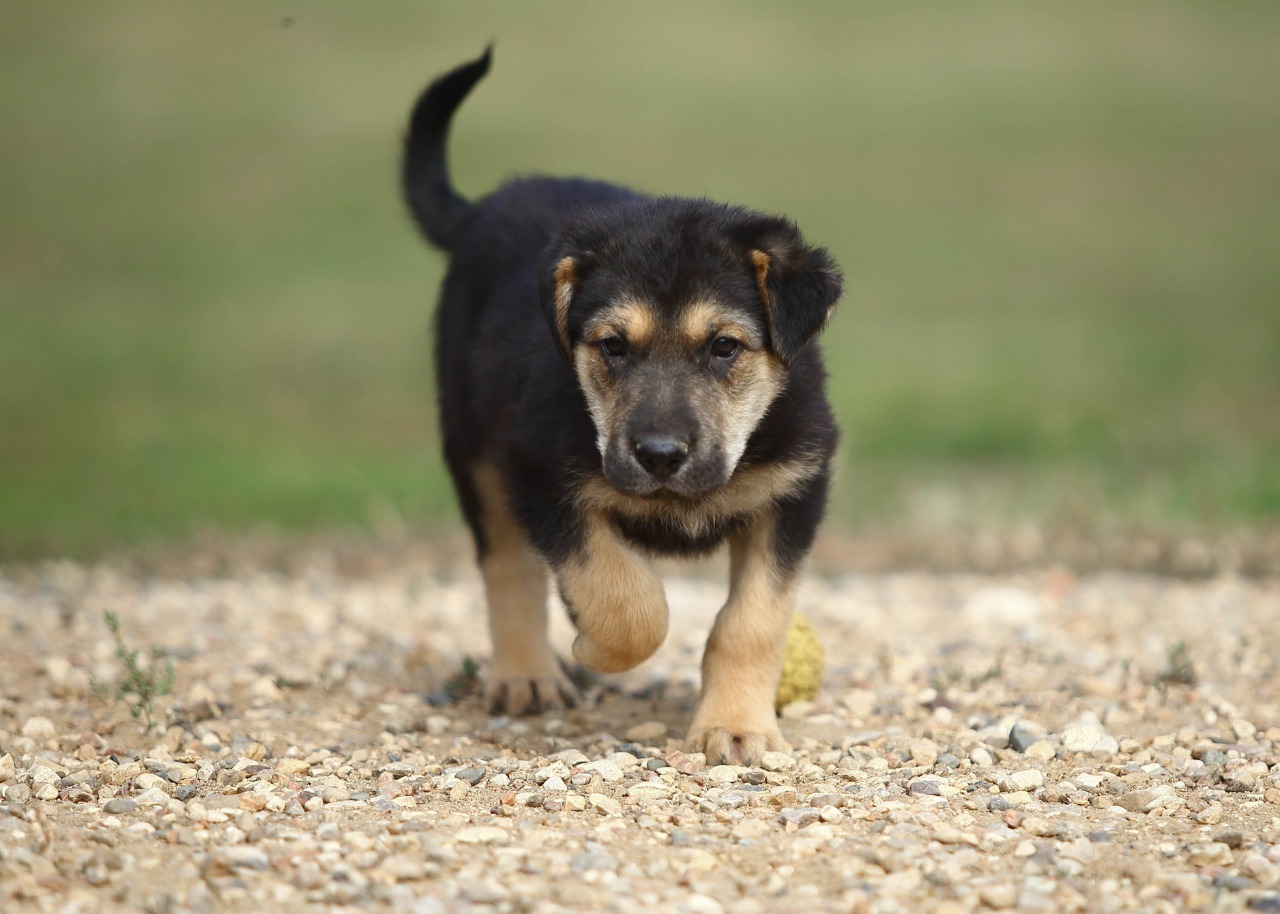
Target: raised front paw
<point>529,691</point>
<point>735,745</point>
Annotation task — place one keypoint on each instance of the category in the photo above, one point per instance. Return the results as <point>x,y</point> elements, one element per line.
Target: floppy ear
<point>558,281</point>
<point>800,286</point>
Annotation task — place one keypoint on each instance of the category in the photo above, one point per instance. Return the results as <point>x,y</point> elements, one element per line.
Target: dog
<point>622,376</point>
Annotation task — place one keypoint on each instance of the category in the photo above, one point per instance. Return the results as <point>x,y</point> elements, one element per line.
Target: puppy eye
<point>613,347</point>
<point>722,347</point>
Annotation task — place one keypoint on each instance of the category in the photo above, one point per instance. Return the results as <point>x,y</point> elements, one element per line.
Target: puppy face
<point>679,320</point>
<point>674,402</point>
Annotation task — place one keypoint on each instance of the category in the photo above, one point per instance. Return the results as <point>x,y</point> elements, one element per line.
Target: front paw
<point>529,691</point>
<point>734,744</point>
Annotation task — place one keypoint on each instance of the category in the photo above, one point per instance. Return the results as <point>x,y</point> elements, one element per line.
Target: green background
<point>1060,225</point>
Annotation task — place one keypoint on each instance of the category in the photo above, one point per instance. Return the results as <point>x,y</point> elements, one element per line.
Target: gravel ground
<point>1038,740</point>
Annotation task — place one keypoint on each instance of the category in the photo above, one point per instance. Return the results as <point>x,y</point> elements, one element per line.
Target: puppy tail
<point>436,206</point>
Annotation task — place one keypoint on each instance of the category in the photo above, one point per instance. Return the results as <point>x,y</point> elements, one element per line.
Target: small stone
<point>119,806</point>
<point>945,833</point>
<point>608,770</point>
<point>926,787</point>
<point>647,733</point>
<point>999,896</point>
<point>1232,883</point>
<point>1041,828</point>
<point>924,752</point>
<point>39,728</point>
<point>1011,800</point>
<point>799,816</point>
<point>554,784</point>
<point>1024,733</point>
<point>777,761</point>
<point>1041,750</point>
<point>723,774</point>
<point>1145,800</point>
<point>153,796</point>
<point>472,776</point>
<point>830,814</point>
<point>239,857</point>
<point>1088,736</point>
<point>751,829</point>
<point>404,867</point>
<point>607,805</point>
<point>148,780</point>
<point>292,767</point>
<point>1212,853</point>
<point>1026,779</point>
<point>981,758</point>
<point>649,791</point>
<point>1243,730</point>
<point>556,769</point>
<point>483,834</point>
<point>1232,839</point>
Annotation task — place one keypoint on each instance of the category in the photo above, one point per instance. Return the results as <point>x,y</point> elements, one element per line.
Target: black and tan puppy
<point>622,375</point>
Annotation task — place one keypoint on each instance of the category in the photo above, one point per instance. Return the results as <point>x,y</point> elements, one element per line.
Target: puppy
<point>620,376</point>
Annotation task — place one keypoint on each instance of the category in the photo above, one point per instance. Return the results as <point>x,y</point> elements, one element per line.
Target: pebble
<point>647,733</point>
<point>1145,800</point>
<point>1027,779</point>
<point>41,729</point>
<point>607,805</point>
<point>723,774</point>
<point>483,834</point>
<point>1024,733</point>
<point>650,791</point>
<point>1041,750</point>
<point>1088,736</point>
<point>119,806</point>
<point>1211,853</point>
<point>777,761</point>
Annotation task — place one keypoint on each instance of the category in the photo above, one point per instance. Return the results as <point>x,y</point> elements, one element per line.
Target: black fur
<point>506,391</point>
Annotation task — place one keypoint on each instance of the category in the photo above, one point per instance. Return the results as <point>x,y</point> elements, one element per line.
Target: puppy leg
<point>526,675</point>
<point>735,719</point>
<point>614,598</point>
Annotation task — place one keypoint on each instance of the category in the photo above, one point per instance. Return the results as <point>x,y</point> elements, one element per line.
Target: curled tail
<point>436,206</point>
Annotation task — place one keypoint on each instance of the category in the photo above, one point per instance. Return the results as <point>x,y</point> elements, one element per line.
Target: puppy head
<point>680,319</point>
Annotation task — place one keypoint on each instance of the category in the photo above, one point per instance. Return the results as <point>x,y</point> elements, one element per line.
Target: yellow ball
<point>801,663</point>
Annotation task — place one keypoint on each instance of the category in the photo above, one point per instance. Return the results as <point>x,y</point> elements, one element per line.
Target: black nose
<point>661,455</point>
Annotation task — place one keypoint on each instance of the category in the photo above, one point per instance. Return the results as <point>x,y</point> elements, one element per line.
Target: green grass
<point>1060,226</point>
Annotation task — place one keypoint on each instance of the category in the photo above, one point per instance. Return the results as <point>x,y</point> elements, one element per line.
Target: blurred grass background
<point>1060,225</point>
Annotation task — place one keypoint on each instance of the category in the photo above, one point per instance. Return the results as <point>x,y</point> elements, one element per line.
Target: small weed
<point>1180,670</point>
<point>464,682</point>
<point>141,686</point>
<point>995,671</point>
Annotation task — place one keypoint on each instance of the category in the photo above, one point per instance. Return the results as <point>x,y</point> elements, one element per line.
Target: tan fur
<point>526,673</point>
<point>743,657</point>
<point>749,491</point>
<point>593,378</point>
<point>761,260</point>
<point>633,321</point>
<point>754,383</point>
<point>619,604</point>
<point>565,281</point>
<point>705,320</point>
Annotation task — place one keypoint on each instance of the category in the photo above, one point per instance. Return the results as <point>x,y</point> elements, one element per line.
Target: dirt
<point>1036,739</point>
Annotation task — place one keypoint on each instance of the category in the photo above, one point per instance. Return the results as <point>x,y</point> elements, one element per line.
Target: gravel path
<point>1036,741</point>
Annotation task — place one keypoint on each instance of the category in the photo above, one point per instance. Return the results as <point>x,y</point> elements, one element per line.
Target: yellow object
<point>801,663</point>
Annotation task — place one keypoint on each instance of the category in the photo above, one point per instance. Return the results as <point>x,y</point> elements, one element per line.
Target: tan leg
<point>617,602</point>
<point>735,719</point>
<point>526,676</point>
